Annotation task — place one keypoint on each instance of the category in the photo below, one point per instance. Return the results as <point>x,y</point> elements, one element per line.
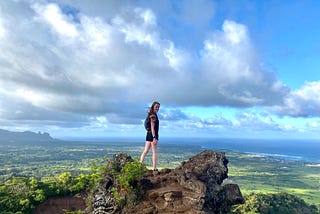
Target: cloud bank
<point>61,62</point>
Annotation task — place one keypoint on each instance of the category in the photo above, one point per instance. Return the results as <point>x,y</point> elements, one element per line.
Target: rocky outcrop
<point>103,199</point>
<point>193,187</point>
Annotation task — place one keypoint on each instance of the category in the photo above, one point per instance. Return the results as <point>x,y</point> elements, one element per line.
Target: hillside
<point>9,137</point>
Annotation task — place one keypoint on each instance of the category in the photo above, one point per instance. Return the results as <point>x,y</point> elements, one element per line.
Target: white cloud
<point>111,66</point>
<point>138,27</point>
<point>217,120</point>
<point>314,124</point>
<point>59,22</point>
<point>232,66</point>
<point>255,121</point>
<point>228,54</point>
<point>303,102</point>
<point>29,96</point>
<point>2,30</point>
<point>235,33</point>
<point>96,32</point>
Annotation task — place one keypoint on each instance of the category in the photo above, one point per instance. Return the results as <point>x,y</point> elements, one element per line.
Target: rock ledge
<point>193,187</point>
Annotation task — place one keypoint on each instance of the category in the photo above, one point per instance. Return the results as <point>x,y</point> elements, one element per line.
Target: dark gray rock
<point>194,187</point>
<point>103,200</point>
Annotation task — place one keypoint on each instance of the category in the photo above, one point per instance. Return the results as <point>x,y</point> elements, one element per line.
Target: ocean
<point>304,150</point>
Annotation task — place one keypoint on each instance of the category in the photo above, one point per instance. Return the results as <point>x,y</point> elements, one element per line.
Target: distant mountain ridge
<point>24,137</point>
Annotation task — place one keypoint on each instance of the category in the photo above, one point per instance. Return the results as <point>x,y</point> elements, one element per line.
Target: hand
<point>155,141</point>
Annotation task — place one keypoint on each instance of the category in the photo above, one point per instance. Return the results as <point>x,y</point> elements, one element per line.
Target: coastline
<point>286,149</point>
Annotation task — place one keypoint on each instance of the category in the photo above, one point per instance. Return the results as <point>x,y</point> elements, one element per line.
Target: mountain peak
<point>23,137</point>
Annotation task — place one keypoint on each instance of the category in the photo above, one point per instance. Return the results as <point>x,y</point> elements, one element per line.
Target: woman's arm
<point>153,122</point>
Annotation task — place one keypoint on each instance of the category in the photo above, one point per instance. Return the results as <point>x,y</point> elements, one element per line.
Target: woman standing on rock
<point>152,127</point>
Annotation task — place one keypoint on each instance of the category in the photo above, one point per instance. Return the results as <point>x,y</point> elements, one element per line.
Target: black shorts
<point>149,136</point>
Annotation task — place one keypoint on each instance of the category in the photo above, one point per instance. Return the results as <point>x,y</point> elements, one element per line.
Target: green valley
<point>253,173</point>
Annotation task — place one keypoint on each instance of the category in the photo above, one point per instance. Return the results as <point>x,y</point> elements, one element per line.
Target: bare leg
<point>154,153</point>
<point>146,150</point>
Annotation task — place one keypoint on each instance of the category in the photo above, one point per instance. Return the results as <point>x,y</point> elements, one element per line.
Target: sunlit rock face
<point>193,187</point>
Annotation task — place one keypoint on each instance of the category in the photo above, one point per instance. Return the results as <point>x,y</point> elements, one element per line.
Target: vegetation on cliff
<point>280,203</point>
<point>124,191</point>
<point>21,195</point>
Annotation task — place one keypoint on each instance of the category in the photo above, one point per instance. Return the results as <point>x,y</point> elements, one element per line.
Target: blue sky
<point>241,69</point>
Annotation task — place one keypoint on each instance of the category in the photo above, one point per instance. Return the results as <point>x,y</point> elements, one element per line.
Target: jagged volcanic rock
<point>195,187</point>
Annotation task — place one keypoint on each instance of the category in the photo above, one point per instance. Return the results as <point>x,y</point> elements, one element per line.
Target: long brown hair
<point>151,110</point>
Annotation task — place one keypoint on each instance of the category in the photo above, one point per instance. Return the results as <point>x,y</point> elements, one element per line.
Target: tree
<point>277,203</point>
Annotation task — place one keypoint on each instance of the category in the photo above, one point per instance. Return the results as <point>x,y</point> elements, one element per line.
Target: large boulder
<point>193,187</point>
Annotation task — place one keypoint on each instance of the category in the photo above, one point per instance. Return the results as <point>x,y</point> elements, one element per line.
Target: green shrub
<point>21,195</point>
<point>126,192</point>
<point>73,212</point>
<point>277,203</point>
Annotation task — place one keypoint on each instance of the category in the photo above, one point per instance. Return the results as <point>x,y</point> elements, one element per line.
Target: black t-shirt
<point>156,124</point>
